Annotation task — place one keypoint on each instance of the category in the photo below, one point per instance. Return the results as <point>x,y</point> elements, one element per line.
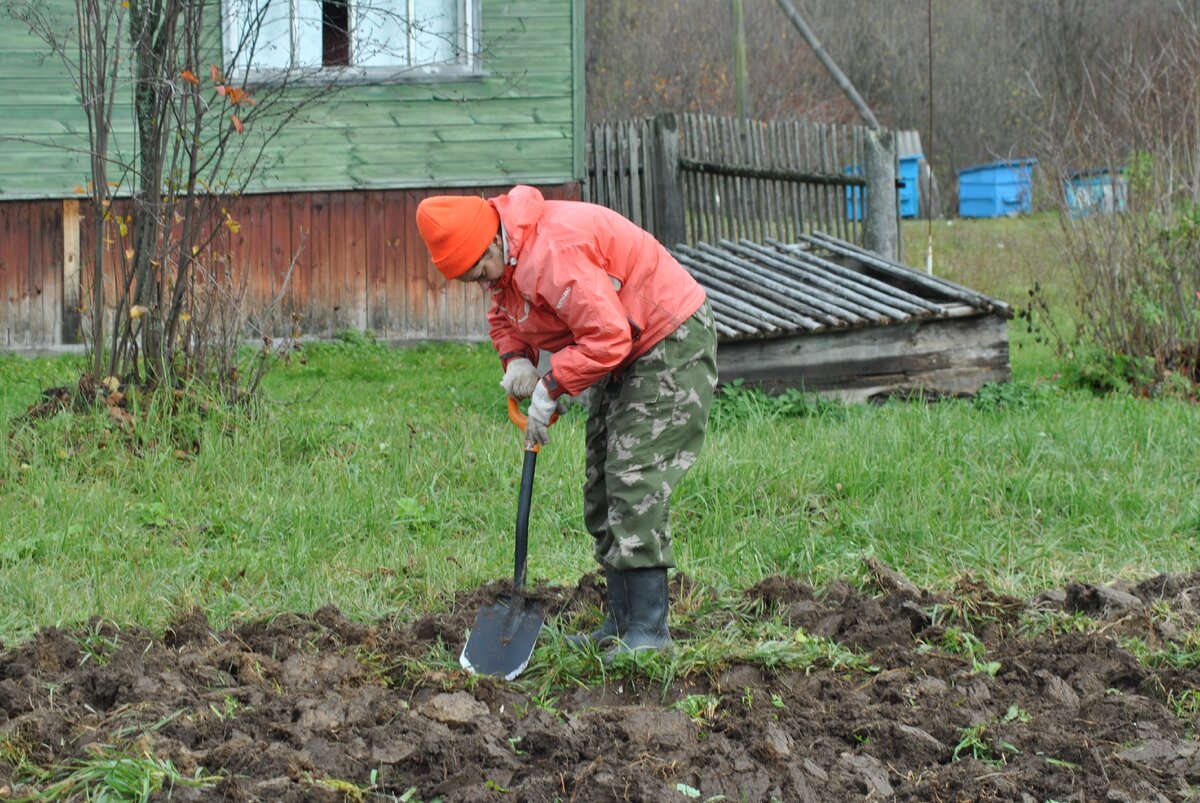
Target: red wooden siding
<point>31,270</point>
<point>359,264</point>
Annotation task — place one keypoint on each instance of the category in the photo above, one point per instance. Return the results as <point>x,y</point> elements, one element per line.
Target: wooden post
<point>880,231</point>
<point>72,289</point>
<point>668,190</point>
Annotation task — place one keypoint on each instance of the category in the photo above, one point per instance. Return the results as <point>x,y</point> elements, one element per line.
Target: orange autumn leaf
<point>79,189</point>
<point>216,73</point>
<point>237,96</point>
<point>237,123</point>
<point>190,77</point>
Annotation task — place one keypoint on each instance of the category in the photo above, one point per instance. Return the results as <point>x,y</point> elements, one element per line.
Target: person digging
<point>621,317</point>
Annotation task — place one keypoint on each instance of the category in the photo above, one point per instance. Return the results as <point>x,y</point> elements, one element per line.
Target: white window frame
<point>303,33</point>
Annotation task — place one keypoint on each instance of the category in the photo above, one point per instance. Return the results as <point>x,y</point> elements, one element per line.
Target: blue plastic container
<point>1095,191</point>
<point>910,193</point>
<point>997,189</point>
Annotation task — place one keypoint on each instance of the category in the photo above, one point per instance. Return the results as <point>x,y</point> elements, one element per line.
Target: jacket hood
<point>519,211</point>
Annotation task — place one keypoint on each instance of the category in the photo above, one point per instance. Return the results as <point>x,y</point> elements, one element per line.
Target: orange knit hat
<point>457,230</point>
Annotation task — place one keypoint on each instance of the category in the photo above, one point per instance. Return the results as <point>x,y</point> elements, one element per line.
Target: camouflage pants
<point>644,431</point>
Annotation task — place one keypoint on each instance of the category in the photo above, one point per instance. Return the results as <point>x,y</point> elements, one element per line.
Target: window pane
<point>259,34</point>
<point>381,33</point>
<point>435,32</point>
<point>308,33</point>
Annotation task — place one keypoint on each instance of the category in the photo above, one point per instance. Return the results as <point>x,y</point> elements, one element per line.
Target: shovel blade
<point>502,640</point>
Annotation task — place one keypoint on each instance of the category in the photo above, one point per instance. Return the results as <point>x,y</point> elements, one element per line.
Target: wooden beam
<point>947,357</point>
<point>839,77</point>
<point>72,287</point>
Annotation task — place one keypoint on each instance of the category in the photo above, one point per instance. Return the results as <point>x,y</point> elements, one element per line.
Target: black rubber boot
<point>646,596</point>
<point>617,620</point>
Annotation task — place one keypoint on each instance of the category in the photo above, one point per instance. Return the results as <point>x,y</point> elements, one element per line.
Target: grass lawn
<point>385,480</point>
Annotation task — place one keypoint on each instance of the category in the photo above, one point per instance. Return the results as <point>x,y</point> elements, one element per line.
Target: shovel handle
<point>519,419</point>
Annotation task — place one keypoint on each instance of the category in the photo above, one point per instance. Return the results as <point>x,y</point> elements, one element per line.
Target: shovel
<point>502,639</point>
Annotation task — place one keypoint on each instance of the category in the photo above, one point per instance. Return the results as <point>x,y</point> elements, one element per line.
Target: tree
<point>160,197</point>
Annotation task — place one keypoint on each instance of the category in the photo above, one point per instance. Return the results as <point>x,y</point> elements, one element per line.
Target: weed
<point>1011,396</point>
<point>1180,654</point>
<point>348,790</point>
<point>1057,623</point>
<point>97,643</point>
<point>957,641</point>
<point>972,744</point>
<point>119,775</point>
<point>228,708</point>
<point>1016,714</point>
<point>698,707</point>
<point>376,664</point>
<point>16,752</point>
<point>1184,704</point>
<point>1058,762</point>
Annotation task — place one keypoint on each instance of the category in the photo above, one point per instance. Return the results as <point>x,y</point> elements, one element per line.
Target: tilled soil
<point>315,707</point>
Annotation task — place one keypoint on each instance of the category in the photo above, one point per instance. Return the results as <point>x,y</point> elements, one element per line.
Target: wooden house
<point>334,202</point>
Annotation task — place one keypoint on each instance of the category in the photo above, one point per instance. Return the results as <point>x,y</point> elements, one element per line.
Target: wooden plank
<point>8,273</point>
<point>417,282</point>
<point>322,298</point>
<point>721,186</point>
<point>72,295</point>
<point>276,251</point>
<point>341,269</point>
<point>796,151</point>
<point>650,221</point>
<point>356,256</point>
<point>401,229</point>
<point>624,197</point>
<point>611,165</point>
<point>943,357</point>
<point>635,176</point>
<point>246,261</point>
<point>50,268</point>
<point>375,233</point>
<point>17,243</point>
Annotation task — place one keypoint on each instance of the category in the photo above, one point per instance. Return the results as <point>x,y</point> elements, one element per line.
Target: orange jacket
<point>558,291</point>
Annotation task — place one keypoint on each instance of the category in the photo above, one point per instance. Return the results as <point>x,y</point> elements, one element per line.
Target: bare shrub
<point>1132,237</point>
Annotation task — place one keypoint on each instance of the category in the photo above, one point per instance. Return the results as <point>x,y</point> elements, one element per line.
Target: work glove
<point>541,409</point>
<point>520,378</point>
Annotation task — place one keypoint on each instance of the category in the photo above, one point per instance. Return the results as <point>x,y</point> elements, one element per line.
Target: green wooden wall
<point>522,123</point>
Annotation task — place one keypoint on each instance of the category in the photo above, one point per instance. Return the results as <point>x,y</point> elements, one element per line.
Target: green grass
<point>1004,258</point>
<point>384,481</point>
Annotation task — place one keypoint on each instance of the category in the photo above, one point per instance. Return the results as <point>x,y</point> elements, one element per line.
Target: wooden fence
<point>720,177</point>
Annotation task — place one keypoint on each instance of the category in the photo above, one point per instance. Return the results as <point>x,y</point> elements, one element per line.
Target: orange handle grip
<point>518,418</point>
